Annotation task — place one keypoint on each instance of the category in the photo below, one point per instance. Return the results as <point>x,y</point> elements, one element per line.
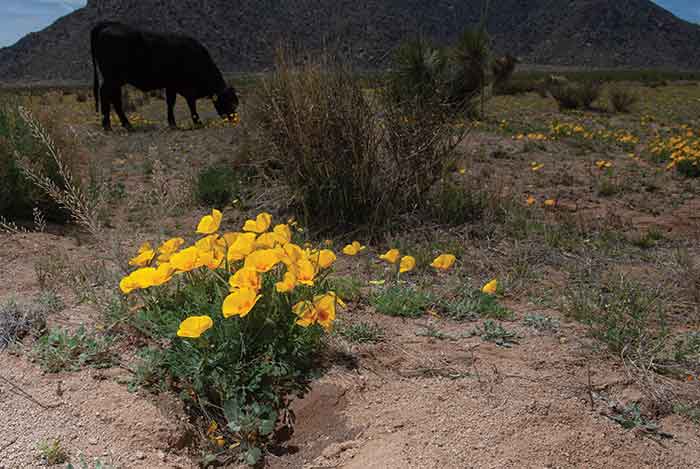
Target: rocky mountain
<point>242,34</point>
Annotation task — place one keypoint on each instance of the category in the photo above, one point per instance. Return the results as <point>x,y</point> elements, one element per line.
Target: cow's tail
<point>96,78</point>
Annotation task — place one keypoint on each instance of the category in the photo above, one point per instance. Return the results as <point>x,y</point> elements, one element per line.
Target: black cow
<point>149,61</point>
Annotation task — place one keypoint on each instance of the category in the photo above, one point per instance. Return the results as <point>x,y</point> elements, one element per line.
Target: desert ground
<point>589,355</point>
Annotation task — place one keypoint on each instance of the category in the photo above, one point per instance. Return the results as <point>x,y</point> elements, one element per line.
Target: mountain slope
<point>242,34</point>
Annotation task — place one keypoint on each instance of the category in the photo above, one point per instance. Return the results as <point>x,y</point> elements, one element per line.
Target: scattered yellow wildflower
<point>391,256</point>
<point>443,261</point>
<point>185,260</point>
<point>144,257</point>
<point>263,260</point>
<point>408,263</point>
<point>353,248</point>
<point>491,287</point>
<point>289,281</point>
<point>168,248</point>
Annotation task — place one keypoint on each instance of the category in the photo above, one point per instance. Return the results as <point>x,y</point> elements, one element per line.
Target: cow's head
<point>226,102</point>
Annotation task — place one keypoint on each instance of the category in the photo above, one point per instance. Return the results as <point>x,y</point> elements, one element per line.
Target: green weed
<point>60,350</point>
<point>52,453</point>
<point>542,323</point>
<point>362,333</point>
<point>402,301</point>
<point>496,333</point>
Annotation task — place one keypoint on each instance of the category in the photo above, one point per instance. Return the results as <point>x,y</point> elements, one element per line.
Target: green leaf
<point>252,456</point>
<point>266,426</point>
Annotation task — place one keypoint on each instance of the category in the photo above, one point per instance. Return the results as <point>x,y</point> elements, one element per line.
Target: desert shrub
<point>344,162</point>
<point>217,185</point>
<point>575,95</point>
<point>621,100</point>
<point>18,194</point>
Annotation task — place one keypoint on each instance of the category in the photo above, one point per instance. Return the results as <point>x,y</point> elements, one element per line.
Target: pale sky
<point>19,17</point>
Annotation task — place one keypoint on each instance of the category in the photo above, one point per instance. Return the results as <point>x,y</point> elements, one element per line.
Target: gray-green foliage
<point>60,350</point>
<point>361,333</point>
<point>496,333</point>
<point>400,300</point>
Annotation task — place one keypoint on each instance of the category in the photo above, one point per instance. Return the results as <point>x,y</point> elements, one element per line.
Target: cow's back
<point>152,61</point>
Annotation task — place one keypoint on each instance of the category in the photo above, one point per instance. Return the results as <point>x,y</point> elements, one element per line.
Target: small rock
<point>332,451</point>
<point>161,455</point>
<point>93,441</point>
<point>140,455</point>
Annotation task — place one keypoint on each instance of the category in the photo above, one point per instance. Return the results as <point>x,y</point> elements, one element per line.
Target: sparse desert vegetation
<point>504,274</point>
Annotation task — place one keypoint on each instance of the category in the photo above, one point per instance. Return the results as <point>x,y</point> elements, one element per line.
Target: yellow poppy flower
<point>531,200</point>
<point>292,254</point>
<point>138,279</point>
<point>241,247</point>
<point>162,274</point>
<point>185,260</point>
<point>212,258</point>
<point>408,263</point>
<point>391,256</point>
<point>284,232</point>
<point>304,271</point>
<point>550,203</point>
<point>245,278</point>
<point>324,307</point>
<point>230,237</point>
<point>534,166</point>
<point>443,261</point>
<point>210,223</point>
<point>289,281</point>
<point>325,258</point>
<point>144,257</point>
<point>259,225</point>
<point>491,287</point>
<point>306,312</point>
<point>194,326</point>
<point>168,248</point>
<point>240,302</point>
<point>262,260</point>
<point>269,241</point>
<point>353,248</point>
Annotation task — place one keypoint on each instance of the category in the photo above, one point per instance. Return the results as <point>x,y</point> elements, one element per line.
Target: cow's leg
<point>105,94</point>
<point>170,96</point>
<point>117,99</point>
<point>192,103</point>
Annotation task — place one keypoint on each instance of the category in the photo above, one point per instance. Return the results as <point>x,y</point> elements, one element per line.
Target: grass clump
<point>624,315</point>
<point>362,333</point>
<point>52,452</point>
<point>348,288</point>
<point>621,100</point>
<point>542,323</point>
<point>472,305</point>
<point>456,205</point>
<point>217,185</point>
<point>689,411</point>
<point>496,333</point>
<point>61,350</point>
<point>402,301</point>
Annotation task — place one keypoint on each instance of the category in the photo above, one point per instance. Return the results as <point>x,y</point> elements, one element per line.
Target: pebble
<point>140,455</point>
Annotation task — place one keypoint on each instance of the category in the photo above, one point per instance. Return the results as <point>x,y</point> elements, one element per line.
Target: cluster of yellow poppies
<point>242,259</point>
<point>245,257</point>
<point>682,145</point>
<point>563,129</point>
